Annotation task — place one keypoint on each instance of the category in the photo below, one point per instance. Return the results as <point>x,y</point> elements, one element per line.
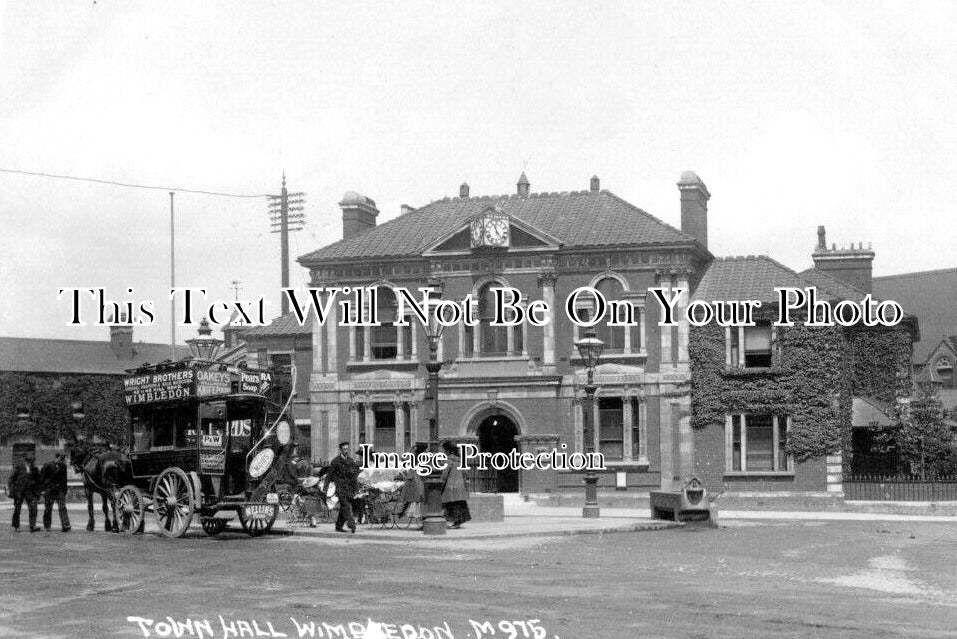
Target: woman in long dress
<point>455,494</point>
<point>413,490</point>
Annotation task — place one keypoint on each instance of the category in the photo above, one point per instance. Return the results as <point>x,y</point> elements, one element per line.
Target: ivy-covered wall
<point>48,398</point>
<point>815,375</point>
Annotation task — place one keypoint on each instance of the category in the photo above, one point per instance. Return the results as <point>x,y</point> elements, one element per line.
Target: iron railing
<point>481,481</point>
<point>899,488</point>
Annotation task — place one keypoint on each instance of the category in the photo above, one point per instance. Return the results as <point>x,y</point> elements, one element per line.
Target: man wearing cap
<point>344,471</point>
<point>53,482</point>
<point>23,485</point>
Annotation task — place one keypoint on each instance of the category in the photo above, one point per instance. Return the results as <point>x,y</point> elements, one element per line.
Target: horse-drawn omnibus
<point>205,441</point>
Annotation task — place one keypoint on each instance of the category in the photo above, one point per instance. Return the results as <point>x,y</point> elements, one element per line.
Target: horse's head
<point>79,454</point>
<point>115,468</point>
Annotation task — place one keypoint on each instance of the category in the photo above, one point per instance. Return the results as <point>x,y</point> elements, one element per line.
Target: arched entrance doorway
<point>496,434</point>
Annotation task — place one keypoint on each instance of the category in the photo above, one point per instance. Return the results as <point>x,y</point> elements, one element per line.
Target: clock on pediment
<point>490,229</point>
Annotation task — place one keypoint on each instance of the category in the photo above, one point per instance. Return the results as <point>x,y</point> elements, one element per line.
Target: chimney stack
<point>121,339</point>
<point>358,214</point>
<point>694,206</point>
<point>595,184</point>
<point>853,265</point>
<point>523,186</point>
<point>464,190</point>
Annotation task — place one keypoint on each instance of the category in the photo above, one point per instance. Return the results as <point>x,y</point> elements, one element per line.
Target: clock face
<point>478,233</point>
<point>496,231</point>
<point>490,229</point>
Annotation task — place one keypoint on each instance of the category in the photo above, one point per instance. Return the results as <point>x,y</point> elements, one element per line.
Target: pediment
<point>523,236</point>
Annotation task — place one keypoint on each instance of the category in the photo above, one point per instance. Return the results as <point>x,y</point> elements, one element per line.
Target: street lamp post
<point>433,523</point>
<point>590,348</point>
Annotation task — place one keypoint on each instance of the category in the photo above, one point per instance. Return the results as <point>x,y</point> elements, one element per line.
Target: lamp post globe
<point>205,346</point>
<point>590,349</point>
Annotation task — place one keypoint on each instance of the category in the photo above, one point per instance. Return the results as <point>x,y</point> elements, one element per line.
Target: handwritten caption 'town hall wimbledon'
<point>586,306</point>
<point>226,628</point>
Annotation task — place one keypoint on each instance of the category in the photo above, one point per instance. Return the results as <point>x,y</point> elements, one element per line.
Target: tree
<point>924,438</point>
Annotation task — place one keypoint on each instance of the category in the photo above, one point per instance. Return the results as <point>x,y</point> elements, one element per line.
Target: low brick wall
<point>788,501</point>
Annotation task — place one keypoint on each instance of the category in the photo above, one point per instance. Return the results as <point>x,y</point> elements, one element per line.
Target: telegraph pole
<point>172,282</point>
<point>285,212</point>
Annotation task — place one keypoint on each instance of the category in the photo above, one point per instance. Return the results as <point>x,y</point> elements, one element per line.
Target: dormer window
<point>490,229</point>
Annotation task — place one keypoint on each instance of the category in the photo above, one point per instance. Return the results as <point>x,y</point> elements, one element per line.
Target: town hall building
<point>522,387</point>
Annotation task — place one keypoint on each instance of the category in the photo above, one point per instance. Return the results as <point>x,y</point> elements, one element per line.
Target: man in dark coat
<point>24,485</point>
<point>344,471</point>
<point>54,486</point>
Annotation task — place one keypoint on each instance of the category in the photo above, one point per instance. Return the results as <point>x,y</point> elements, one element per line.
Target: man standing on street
<point>23,485</point>
<point>53,481</point>
<point>344,471</point>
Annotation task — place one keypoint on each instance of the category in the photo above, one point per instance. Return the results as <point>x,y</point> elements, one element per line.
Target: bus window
<point>141,434</point>
<point>185,428</point>
<point>162,429</point>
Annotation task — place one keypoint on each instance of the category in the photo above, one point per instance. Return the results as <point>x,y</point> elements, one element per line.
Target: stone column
<point>524,329</point>
<point>642,429</point>
<point>627,418</point>
<point>354,424</point>
<point>370,424</point>
<point>332,322</point>
<point>414,421</point>
<point>666,361</point>
<point>510,340</point>
<point>642,338</point>
<point>665,430</point>
<point>318,367</point>
<point>399,426</point>
<point>400,342</point>
<point>627,330</point>
<point>366,343</point>
<point>685,439</point>
<point>683,326</point>
<point>547,282</point>
<point>333,430</point>
<point>352,343</point>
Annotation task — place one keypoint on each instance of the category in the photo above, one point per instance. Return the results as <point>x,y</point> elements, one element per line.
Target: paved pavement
<point>524,519</point>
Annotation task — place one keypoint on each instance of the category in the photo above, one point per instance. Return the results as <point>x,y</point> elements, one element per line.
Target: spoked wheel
<point>173,502</point>
<point>255,521</point>
<point>130,509</point>
<point>213,526</point>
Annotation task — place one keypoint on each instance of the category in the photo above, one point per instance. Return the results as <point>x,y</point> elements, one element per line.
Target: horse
<point>104,471</point>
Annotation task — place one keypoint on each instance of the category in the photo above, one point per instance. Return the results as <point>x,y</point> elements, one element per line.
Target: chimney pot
<point>694,206</point>
<point>595,184</point>
<point>358,214</point>
<point>121,338</point>
<point>523,185</point>
<point>464,190</point>
<point>852,264</point>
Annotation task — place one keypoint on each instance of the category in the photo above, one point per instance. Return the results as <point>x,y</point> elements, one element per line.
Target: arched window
<point>613,336</point>
<point>944,369</point>
<point>385,339</point>
<point>494,339</point>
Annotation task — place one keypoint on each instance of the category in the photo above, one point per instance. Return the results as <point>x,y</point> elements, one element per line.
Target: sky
<point>793,114</point>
